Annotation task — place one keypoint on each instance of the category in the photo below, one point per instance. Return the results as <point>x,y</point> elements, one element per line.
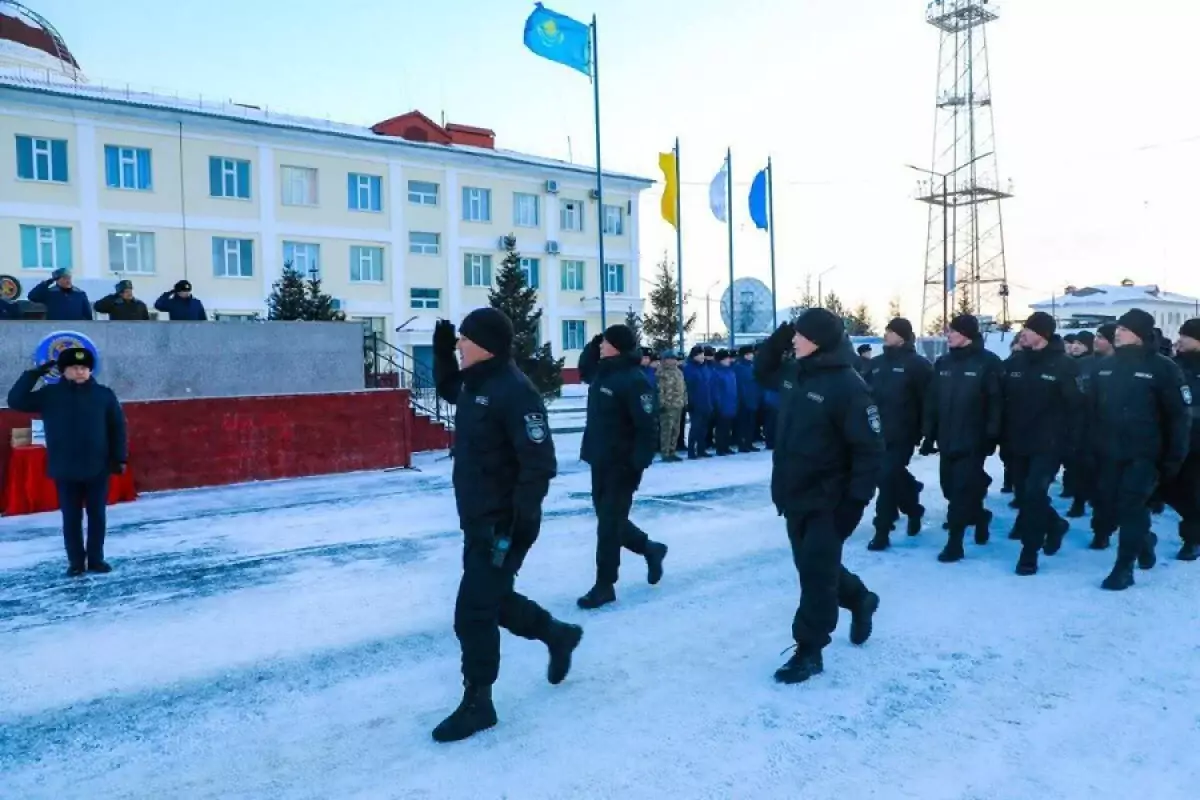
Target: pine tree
<point>516,298</point>
<point>833,304</point>
<point>661,325</point>
<point>860,322</point>
<point>894,309</point>
<point>807,299</point>
<point>320,305</point>
<point>936,327</point>
<point>288,299</point>
<point>964,300</point>
<point>633,321</point>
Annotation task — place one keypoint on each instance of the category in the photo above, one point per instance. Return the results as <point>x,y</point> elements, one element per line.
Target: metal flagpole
<point>729,225</point>
<point>771,234</point>
<point>679,245</point>
<point>599,174</point>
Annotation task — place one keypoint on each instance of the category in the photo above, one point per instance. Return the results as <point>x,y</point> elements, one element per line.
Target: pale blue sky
<point>840,94</point>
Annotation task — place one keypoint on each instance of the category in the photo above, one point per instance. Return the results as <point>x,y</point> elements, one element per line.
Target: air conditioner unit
<point>551,187</point>
<point>594,194</point>
<point>552,248</point>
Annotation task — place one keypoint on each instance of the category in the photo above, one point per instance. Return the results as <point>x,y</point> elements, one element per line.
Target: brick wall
<point>176,444</point>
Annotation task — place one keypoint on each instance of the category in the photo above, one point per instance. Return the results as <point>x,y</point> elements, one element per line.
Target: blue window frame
<point>531,268</point>
<point>574,334</point>
<point>229,177</point>
<point>364,192</point>
<point>127,168</point>
<point>42,159</point>
<point>45,247</point>
<point>233,258</point>
<point>614,278</point>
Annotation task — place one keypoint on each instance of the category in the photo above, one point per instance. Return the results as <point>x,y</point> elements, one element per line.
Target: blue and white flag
<point>559,38</point>
<point>758,200</point>
<point>717,194</point>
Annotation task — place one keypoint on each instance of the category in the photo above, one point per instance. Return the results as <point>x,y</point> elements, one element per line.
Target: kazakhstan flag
<point>559,38</point>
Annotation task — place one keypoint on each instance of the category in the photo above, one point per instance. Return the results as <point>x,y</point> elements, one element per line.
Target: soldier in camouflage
<point>672,399</point>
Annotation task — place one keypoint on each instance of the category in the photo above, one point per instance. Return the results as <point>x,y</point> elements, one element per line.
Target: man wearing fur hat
<point>122,306</point>
<point>619,441</point>
<point>963,414</point>
<point>180,305</point>
<point>825,467</point>
<point>63,301</point>
<point>503,463</point>
<point>1183,493</point>
<point>672,398</point>
<point>1141,409</point>
<point>749,400</point>
<point>85,444</point>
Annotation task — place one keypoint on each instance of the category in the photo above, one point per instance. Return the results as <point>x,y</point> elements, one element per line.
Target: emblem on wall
<point>10,288</point>
<point>49,348</point>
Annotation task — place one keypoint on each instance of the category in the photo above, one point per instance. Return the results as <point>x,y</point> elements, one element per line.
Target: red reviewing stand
<point>28,490</point>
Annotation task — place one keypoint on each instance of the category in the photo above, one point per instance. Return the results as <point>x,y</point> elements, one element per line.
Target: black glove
<point>596,340</point>
<point>781,339</point>
<point>928,447</point>
<point>445,337</point>
<point>44,369</point>
<point>527,518</point>
<point>116,467</point>
<point>847,516</point>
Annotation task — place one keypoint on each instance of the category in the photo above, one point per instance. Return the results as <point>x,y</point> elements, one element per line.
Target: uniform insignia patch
<point>648,403</point>
<point>535,428</point>
<point>873,419</point>
<point>1186,391</point>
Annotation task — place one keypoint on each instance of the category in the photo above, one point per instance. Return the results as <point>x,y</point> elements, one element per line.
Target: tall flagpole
<point>599,174</point>
<point>679,245</point>
<point>729,225</point>
<point>771,234</point>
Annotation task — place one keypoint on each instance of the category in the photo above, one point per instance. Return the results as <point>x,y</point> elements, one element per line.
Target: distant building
<point>1090,306</point>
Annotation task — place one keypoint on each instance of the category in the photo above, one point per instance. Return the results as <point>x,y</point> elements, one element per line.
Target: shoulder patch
<point>873,419</point>
<point>1186,391</point>
<point>535,427</point>
<point>648,403</point>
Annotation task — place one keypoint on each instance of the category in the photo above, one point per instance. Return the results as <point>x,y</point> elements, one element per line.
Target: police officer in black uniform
<point>1143,428</point>
<point>1076,464</point>
<point>1183,493</point>
<point>1104,522</point>
<point>898,379</point>
<point>1042,402</point>
<point>963,415</point>
<point>825,467</point>
<point>619,442</point>
<point>503,463</point>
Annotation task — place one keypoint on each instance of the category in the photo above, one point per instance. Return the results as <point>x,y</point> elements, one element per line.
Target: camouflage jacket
<point>672,391</point>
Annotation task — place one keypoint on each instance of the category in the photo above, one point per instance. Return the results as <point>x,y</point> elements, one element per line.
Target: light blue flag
<point>758,200</point>
<point>559,38</point>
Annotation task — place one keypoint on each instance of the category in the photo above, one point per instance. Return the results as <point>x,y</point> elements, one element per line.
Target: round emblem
<point>10,288</point>
<point>49,348</point>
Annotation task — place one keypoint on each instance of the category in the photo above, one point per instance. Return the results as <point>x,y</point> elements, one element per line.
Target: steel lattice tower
<point>966,228</point>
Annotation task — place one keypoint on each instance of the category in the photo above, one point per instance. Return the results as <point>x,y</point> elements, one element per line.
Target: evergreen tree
<point>320,305</point>
<point>514,296</point>
<point>633,321</point>
<point>288,299</point>
<point>860,322</point>
<point>834,305</point>
<point>807,299</point>
<point>964,300</point>
<point>894,309</point>
<point>936,327</point>
<point>661,325</point>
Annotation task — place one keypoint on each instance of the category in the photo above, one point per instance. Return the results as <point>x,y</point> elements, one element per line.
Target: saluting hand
<point>445,337</point>
<point>44,369</point>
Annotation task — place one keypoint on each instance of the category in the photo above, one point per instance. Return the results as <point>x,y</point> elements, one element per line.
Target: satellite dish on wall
<point>753,308</point>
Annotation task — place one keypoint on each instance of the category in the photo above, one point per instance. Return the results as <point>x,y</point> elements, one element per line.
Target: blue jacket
<point>61,306</point>
<point>771,399</point>
<point>180,310</point>
<point>9,310</point>
<point>651,377</point>
<point>725,391</point>
<point>698,379</point>
<point>749,392</point>
<point>85,427</point>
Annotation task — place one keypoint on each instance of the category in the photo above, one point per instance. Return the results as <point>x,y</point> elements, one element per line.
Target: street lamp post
<point>820,294</point>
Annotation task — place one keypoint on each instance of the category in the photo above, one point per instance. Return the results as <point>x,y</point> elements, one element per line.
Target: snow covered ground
<point>294,640</point>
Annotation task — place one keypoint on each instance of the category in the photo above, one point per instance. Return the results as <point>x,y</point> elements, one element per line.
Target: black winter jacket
<point>828,435</point>
<point>503,452</point>
<point>620,432</point>
<point>1189,364</point>
<point>121,310</point>
<point>85,426</point>
<point>1140,408</point>
<point>965,403</point>
<point>1043,401</point>
<point>899,378</point>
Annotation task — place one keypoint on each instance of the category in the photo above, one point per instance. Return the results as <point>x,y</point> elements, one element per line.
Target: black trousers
<point>724,433</point>
<point>898,492</point>
<point>1183,495</point>
<point>682,443</point>
<point>747,427</point>
<point>612,497</point>
<point>73,498</point>
<point>487,602</point>
<point>1127,487</point>
<point>964,485</point>
<point>697,437</point>
<point>1036,517</point>
<point>825,585</point>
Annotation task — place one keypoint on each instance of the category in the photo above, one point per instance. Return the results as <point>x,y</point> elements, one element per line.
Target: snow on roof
<point>1111,295</point>
<point>217,109</point>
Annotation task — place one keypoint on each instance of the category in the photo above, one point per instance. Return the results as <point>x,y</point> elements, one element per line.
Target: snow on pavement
<point>294,640</point>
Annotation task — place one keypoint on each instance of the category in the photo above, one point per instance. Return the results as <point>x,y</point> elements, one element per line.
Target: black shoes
<point>1148,558</point>
<point>99,567</point>
<point>599,595</point>
<point>1027,564</point>
<point>862,618</point>
<point>1078,508</point>
<point>474,714</point>
<point>983,531</point>
<point>880,542</point>
<point>656,552</point>
<point>800,667</point>
<point>1100,541</point>
<point>562,641</point>
<point>1189,552</point>
<point>1054,539</point>
<point>75,570</point>
<point>953,551</point>
<point>914,522</point>
<point>1120,579</point>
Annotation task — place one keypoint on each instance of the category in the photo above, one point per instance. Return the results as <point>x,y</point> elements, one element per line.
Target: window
<point>227,316</point>
<point>425,298</point>
<point>366,264</point>
<point>477,270</point>
<point>574,334</point>
<point>572,276</point>
<point>229,177</point>
<point>364,192</point>
<point>529,266</point>
<point>305,258</point>
<point>45,248</point>
<point>131,252</point>
<point>614,278</point>
<point>614,221</point>
<point>424,244</point>
<point>374,326</point>
<point>233,258</point>
<point>525,210</point>
<point>570,215</point>
<point>423,193</point>
<point>299,186</point>
<point>41,159</point>
<point>477,205</point>
<point>127,168</point>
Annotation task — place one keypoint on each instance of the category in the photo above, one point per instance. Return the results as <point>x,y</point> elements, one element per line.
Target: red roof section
<point>15,29</point>
<point>416,127</point>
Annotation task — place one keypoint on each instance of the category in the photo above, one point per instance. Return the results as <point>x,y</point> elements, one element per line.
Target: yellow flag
<point>666,162</point>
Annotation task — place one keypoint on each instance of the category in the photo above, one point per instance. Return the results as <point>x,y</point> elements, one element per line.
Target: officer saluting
<point>503,463</point>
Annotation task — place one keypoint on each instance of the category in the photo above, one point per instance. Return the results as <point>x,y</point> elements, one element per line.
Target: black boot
<point>99,567</point>
<point>75,570</point>
<point>599,595</point>
<point>800,667</point>
<point>562,641</point>
<point>1189,552</point>
<point>1120,579</point>
<point>1014,535</point>
<point>655,553</point>
<point>914,521</point>
<point>954,549</point>
<point>1054,539</point>
<point>474,714</point>
<point>1007,488</point>
<point>1078,508</point>
<point>983,530</point>
<point>882,541</point>
<point>1100,541</point>
<point>1148,558</point>
<point>862,617</point>
<point>1027,564</point>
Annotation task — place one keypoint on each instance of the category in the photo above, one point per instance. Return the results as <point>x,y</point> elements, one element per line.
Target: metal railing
<point>388,367</point>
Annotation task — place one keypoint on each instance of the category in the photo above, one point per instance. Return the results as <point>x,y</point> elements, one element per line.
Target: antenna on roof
<point>570,152</point>
<point>443,117</point>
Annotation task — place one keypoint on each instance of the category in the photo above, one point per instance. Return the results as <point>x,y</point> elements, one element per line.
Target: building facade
<point>1089,306</point>
<point>403,222</point>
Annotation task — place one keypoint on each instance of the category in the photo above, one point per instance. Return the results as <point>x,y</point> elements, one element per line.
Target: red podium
<point>28,490</point>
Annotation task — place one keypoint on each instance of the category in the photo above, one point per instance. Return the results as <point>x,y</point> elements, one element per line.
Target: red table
<point>28,490</point>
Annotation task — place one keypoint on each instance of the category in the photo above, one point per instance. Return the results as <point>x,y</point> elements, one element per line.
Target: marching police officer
<point>825,467</point>
<point>1042,398</point>
<point>503,463</point>
<point>898,379</point>
<point>1183,494</point>
<point>619,440</point>
<point>1142,426</point>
